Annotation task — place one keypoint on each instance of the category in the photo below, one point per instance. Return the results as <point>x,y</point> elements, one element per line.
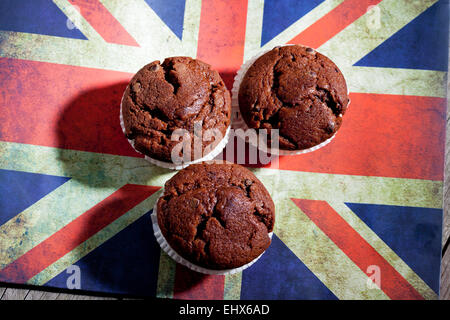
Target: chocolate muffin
<point>217,216</point>
<point>296,90</point>
<point>174,95</point>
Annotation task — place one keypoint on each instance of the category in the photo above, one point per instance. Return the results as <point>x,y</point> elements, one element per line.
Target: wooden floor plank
<point>41,295</point>
<point>446,221</point>
<point>445,277</point>
<point>2,290</point>
<point>67,296</point>
<point>15,294</point>
<point>80,297</point>
<point>445,265</point>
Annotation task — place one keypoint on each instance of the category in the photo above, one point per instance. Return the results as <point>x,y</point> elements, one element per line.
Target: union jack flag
<point>358,219</point>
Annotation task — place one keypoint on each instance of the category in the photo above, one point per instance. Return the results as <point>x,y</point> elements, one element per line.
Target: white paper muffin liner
<point>175,256</point>
<point>239,123</point>
<point>169,165</point>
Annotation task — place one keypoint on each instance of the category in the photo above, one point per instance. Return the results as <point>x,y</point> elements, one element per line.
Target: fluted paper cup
<point>170,165</point>
<point>239,123</point>
<point>175,256</point>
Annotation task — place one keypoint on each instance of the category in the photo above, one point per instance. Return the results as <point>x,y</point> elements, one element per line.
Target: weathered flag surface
<point>358,219</point>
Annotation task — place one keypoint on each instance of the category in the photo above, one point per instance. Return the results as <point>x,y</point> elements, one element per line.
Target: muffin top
<point>296,90</point>
<point>215,215</point>
<point>174,95</point>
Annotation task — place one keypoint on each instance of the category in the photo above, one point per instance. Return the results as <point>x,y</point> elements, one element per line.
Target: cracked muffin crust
<point>216,215</point>
<point>296,90</point>
<point>174,95</point>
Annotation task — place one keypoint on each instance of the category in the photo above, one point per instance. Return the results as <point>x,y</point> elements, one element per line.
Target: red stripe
<point>190,285</point>
<point>62,106</point>
<point>356,248</point>
<point>75,233</point>
<point>221,43</point>
<point>221,38</point>
<point>334,22</point>
<point>383,135</point>
<point>48,104</point>
<point>103,22</point>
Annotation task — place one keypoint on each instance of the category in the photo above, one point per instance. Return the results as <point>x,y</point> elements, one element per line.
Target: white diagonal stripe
<point>155,38</point>
<point>47,216</point>
<point>74,52</point>
<point>360,38</point>
<point>303,23</point>
<point>321,255</point>
<point>143,24</point>
<point>254,26</point>
<point>78,20</point>
<point>383,249</point>
<point>94,242</point>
